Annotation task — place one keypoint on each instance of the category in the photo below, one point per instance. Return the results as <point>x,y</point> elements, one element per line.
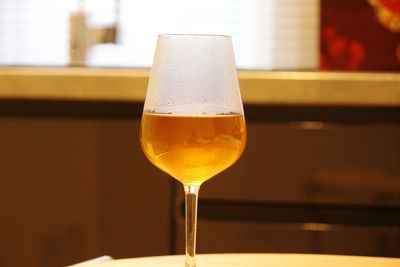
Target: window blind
<point>267,34</point>
<point>34,32</point>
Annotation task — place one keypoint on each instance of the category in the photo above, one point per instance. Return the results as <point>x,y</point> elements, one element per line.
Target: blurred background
<point>267,34</point>
<point>320,174</point>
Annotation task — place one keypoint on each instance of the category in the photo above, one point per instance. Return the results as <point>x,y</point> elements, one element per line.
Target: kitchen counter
<point>257,87</point>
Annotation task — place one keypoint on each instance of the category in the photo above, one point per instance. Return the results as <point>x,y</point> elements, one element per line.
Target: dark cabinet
<point>74,189</point>
<point>306,186</point>
<point>77,187</point>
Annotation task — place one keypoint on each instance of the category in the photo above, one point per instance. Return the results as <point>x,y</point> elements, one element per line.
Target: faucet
<point>84,36</point>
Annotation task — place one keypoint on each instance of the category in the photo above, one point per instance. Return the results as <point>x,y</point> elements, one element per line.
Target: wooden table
<point>256,260</point>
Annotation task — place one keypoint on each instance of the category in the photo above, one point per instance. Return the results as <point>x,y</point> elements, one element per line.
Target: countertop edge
<point>257,87</point>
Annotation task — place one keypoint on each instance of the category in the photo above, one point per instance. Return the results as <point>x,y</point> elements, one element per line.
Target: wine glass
<point>193,123</point>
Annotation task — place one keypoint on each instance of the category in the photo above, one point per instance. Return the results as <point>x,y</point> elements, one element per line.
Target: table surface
<point>256,260</point>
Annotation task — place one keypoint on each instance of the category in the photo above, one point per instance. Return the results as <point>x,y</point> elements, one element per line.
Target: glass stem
<point>191,196</point>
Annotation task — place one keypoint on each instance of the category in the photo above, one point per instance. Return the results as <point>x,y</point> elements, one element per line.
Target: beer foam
<point>194,110</point>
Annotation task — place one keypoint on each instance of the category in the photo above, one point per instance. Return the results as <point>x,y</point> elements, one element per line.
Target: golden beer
<point>192,149</point>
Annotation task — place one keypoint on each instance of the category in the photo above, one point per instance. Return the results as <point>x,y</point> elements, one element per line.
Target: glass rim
<point>194,35</point>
